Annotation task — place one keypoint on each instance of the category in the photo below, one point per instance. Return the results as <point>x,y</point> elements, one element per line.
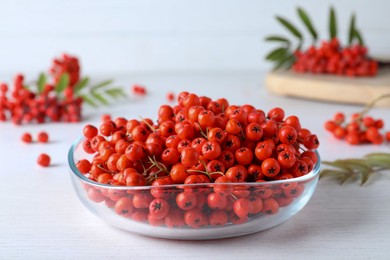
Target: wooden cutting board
<point>341,89</point>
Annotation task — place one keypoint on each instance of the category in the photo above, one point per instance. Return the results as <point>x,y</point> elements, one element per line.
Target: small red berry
<point>90,131</point>
<point>170,96</point>
<point>43,160</point>
<point>43,137</point>
<point>27,138</point>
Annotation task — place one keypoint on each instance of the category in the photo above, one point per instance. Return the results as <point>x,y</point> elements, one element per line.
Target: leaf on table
<point>307,22</point>
<point>341,176</point>
<point>378,159</point>
<point>363,168</point>
<point>339,164</point>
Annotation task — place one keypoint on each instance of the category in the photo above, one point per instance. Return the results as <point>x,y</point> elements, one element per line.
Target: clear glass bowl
<point>280,200</point>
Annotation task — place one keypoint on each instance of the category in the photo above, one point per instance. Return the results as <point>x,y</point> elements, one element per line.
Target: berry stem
<point>370,105</point>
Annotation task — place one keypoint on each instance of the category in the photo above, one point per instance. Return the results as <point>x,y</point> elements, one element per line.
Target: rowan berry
<point>134,152</point>
<point>270,167</point>
<point>243,156</point>
<point>270,206</point>
<point>124,207</point>
<point>178,173</point>
<point>218,218</point>
<point>43,137</point>
<point>236,174</point>
<point>27,138</point>
<point>253,131</point>
<point>276,113</point>
<point>195,218</point>
<point>242,207</point>
<point>170,96</point>
<point>211,150</point>
<point>388,136</point>
<point>84,166</point>
<point>43,160</point>
<point>286,159</point>
<point>186,200</point>
<point>95,195</point>
<point>288,135</point>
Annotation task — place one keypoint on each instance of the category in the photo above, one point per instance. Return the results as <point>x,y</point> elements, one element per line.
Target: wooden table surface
<point>42,218</point>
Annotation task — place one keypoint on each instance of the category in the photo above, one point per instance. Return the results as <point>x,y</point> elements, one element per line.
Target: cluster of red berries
<point>331,58</point>
<point>359,130</point>
<point>23,105</point>
<point>66,64</point>
<point>42,137</point>
<point>198,141</point>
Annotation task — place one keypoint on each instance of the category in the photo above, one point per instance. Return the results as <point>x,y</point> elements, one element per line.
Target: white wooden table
<point>41,217</point>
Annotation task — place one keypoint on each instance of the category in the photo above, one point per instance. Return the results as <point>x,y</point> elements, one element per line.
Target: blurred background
<point>129,36</point>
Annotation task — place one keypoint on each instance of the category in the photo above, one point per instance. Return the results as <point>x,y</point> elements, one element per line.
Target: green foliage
<point>332,24</point>
<point>42,80</point>
<point>307,22</point>
<point>62,83</point>
<point>357,169</point>
<point>283,55</point>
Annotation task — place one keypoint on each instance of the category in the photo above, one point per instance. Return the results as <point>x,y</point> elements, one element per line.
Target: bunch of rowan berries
<point>358,130</point>
<point>20,104</point>
<point>66,64</point>
<point>332,58</point>
<point>198,141</point>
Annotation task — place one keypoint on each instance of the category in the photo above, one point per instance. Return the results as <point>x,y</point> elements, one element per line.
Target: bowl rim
<point>75,172</point>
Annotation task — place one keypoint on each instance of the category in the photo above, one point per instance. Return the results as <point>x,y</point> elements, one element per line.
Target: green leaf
<point>365,177</point>
<point>378,160</point>
<point>306,20</point>
<point>352,29</point>
<point>332,24</point>
<point>359,165</point>
<point>276,54</point>
<point>115,92</point>
<point>362,168</point>
<point>339,164</point>
<point>101,85</point>
<point>100,98</point>
<point>81,84</point>
<point>339,175</point>
<point>286,62</point>
<point>42,80</point>
<point>88,100</point>
<point>62,83</point>
<point>347,177</point>
<point>290,27</point>
<point>331,172</point>
<point>379,156</point>
<point>275,38</point>
<point>359,37</point>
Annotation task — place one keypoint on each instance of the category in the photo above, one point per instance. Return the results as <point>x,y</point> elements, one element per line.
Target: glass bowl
<point>270,203</point>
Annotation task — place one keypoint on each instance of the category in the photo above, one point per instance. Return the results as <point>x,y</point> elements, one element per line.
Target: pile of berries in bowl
<point>205,170</point>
